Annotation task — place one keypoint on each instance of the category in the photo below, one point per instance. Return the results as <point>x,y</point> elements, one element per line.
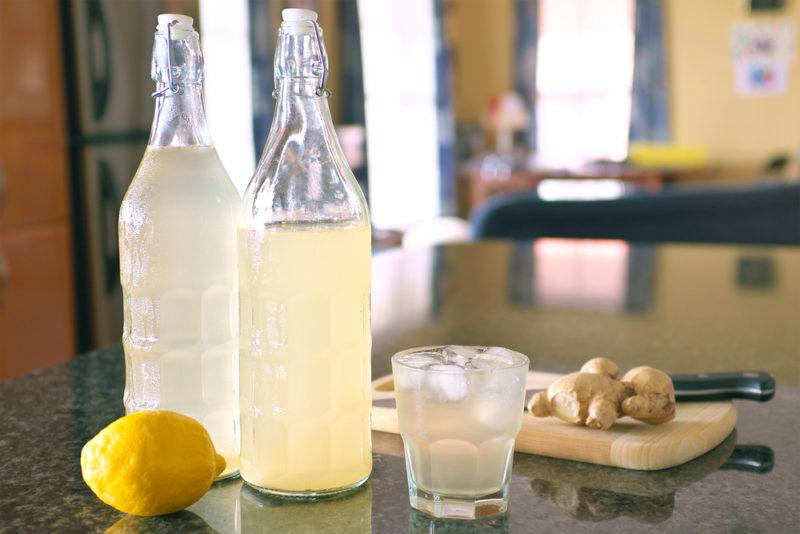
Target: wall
<point>481,34</point>
<point>37,297</point>
<point>739,133</point>
<point>736,131</point>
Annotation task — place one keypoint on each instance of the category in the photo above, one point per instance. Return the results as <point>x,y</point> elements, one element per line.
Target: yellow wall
<point>481,34</point>
<point>705,110</point>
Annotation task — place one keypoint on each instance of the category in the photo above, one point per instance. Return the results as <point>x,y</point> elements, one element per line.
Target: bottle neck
<point>177,69</point>
<point>300,57</point>
<point>300,98</point>
<point>180,119</point>
<point>300,71</point>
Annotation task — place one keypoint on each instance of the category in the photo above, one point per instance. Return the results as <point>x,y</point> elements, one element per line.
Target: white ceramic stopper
<point>298,15</point>
<point>183,24</point>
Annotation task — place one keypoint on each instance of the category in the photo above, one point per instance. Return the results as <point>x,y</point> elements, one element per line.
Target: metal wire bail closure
<point>324,55</point>
<point>171,86</point>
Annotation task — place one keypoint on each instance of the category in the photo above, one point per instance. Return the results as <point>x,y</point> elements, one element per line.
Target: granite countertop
<point>49,415</point>
<point>683,309</point>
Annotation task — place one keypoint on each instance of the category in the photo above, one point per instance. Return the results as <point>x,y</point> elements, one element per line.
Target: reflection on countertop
<point>419,523</point>
<point>350,512</point>
<point>183,521</point>
<point>681,307</point>
<point>599,493</point>
<point>596,493</point>
<point>577,490</point>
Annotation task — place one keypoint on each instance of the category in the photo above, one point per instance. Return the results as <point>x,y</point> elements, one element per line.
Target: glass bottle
<point>304,282</point>
<point>177,243</point>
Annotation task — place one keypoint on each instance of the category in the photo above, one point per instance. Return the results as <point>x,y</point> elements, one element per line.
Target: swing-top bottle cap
<point>182,25</point>
<point>177,58</point>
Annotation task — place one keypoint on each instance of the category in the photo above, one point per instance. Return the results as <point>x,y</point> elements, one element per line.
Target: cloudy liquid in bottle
<point>305,356</point>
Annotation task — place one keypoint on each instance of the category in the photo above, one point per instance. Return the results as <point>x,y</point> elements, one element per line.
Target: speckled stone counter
<point>683,308</point>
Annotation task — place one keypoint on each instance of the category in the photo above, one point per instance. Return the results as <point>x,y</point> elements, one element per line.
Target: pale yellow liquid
<point>460,467</point>
<point>305,358</point>
<point>177,241</point>
<point>460,447</point>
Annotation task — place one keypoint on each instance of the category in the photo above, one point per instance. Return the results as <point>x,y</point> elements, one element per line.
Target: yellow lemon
<point>151,463</point>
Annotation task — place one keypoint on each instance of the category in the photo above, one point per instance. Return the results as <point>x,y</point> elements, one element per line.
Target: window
<point>399,52</point>
<point>583,81</point>
<point>228,98</point>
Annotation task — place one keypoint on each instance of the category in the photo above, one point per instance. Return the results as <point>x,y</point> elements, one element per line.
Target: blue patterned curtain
<point>527,20</point>
<point>444,106</point>
<point>352,84</point>
<point>649,104</point>
<point>263,34</point>
<point>352,89</point>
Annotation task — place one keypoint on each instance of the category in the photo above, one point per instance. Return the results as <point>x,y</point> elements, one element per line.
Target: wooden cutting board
<point>697,428</point>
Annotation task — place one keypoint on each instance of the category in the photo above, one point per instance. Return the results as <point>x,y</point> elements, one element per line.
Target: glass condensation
<point>178,257</point>
<point>304,274</point>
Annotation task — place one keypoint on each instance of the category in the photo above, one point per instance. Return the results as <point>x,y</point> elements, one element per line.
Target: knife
<point>749,385</point>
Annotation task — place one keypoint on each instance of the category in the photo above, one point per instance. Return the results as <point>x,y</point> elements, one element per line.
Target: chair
<point>757,214</point>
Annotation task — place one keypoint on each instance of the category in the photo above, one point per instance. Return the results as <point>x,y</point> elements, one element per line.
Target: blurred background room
<point>640,120</point>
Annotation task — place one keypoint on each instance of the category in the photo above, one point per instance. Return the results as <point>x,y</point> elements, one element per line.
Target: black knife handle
<point>751,385</point>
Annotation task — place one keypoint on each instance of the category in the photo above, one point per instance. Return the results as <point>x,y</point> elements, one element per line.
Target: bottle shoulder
<point>302,174</point>
<point>182,167</point>
<point>287,189</point>
<point>181,179</point>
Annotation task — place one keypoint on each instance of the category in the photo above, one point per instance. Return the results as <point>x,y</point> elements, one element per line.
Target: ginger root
<point>601,366</point>
<point>595,398</point>
<point>654,398</point>
<point>582,399</point>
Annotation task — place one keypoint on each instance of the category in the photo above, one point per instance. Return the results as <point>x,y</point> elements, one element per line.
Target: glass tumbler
<point>459,410</point>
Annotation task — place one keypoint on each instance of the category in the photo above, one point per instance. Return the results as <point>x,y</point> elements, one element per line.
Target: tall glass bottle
<point>177,243</point>
<point>304,282</point>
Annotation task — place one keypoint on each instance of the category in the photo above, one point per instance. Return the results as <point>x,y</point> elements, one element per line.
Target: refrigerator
<point>108,48</point>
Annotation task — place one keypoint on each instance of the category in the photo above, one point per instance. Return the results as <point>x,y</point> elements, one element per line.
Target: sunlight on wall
<point>583,79</point>
<point>226,49</point>
<point>398,46</point>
